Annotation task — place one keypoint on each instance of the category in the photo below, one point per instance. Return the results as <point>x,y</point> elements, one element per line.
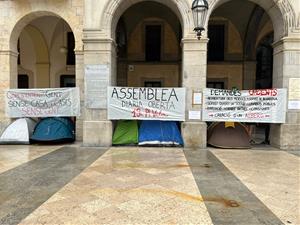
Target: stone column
<point>285,72</point>
<point>249,75</point>
<point>8,79</point>
<point>79,75</point>
<point>97,130</point>
<point>194,70</point>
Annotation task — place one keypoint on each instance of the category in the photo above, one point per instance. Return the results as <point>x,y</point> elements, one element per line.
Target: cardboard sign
<point>133,103</point>
<point>258,106</point>
<point>52,102</point>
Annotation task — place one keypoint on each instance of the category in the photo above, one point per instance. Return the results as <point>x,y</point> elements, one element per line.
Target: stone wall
<point>93,24</point>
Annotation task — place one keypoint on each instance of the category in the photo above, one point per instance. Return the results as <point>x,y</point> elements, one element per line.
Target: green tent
<point>126,133</point>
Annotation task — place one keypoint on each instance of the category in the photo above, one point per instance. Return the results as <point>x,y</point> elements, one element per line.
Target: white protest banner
<point>133,103</point>
<point>258,106</point>
<point>42,102</point>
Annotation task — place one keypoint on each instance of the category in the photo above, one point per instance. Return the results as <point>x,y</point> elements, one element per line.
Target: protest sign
<point>51,102</point>
<point>132,103</point>
<point>258,106</point>
<point>96,81</point>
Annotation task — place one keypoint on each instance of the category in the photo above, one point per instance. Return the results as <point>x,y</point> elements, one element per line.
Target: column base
<point>79,130</point>
<point>194,134</point>
<point>97,133</point>
<point>4,124</point>
<point>285,136</point>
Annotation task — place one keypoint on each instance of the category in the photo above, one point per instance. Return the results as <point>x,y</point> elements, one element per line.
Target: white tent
<point>18,132</point>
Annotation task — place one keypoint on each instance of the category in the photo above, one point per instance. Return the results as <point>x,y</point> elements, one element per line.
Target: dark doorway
<point>264,59</point>
<point>67,81</point>
<point>216,85</point>
<point>23,81</point>
<point>152,84</point>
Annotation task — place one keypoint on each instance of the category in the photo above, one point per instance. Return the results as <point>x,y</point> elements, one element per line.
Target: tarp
<point>18,132</point>
<point>228,135</point>
<point>159,133</point>
<point>46,102</point>
<point>58,129</point>
<point>141,103</point>
<point>126,133</point>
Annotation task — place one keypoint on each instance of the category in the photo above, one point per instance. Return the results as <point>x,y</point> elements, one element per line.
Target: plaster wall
<point>168,74</point>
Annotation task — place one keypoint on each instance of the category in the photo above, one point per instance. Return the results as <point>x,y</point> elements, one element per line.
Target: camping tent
<point>126,133</point>
<point>228,135</point>
<point>18,132</point>
<point>154,132</point>
<point>56,129</point>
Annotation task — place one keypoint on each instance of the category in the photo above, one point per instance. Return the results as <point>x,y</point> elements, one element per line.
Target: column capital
<point>194,40</point>
<point>287,44</point>
<point>96,36</point>
<point>189,44</point>
<point>79,52</point>
<point>9,52</point>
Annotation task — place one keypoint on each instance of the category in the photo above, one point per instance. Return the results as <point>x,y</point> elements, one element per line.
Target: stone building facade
<point>251,44</point>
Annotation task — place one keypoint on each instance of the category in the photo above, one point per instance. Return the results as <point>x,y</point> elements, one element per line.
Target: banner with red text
<point>132,103</point>
<point>258,106</point>
<point>52,102</point>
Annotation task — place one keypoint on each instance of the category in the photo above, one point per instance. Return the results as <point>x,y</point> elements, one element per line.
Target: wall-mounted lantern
<point>199,9</point>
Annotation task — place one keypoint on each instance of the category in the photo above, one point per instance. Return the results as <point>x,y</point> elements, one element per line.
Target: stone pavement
<point>132,185</point>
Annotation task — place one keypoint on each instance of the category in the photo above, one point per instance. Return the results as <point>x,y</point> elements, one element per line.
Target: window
<point>152,42</point>
<point>71,46</point>
<point>152,84</point>
<point>216,35</point>
<point>19,55</point>
<point>23,81</point>
<point>67,81</point>
<point>216,85</point>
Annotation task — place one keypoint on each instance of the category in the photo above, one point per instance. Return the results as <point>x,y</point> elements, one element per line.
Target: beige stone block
<point>285,136</point>
<point>95,114</point>
<point>293,117</point>
<point>194,134</point>
<point>79,130</point>
<point>4,122</point>
<point>97,133</point>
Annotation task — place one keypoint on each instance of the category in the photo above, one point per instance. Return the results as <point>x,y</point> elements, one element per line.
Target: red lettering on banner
<point>263,92</point>
<point>255,115</point>
<point>136,112</point>
<point>147,113</point>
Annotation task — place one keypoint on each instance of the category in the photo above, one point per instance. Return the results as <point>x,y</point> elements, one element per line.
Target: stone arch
<point>282,14</point>
<point>114,9</point>
<point>23,21</point>
<point>252,32</point>
<point>44,59</point>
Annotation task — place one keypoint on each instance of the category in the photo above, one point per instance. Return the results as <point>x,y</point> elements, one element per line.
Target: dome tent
<point>228,135</point>
<point>18,132</point>
<point>54,129</point>
<point>126,133</point>
<point>154,132</point>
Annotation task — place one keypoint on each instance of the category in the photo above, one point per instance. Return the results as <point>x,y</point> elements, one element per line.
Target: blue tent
<point>154,132</point>
<point>56,129</point>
